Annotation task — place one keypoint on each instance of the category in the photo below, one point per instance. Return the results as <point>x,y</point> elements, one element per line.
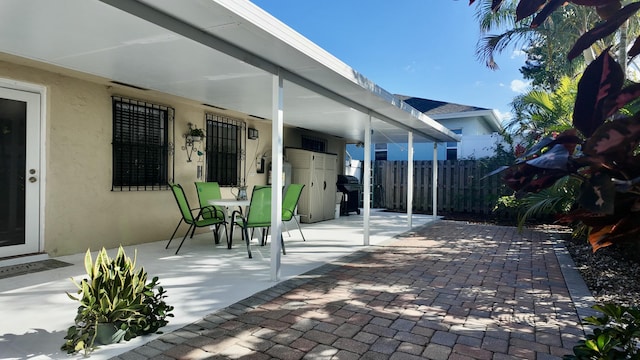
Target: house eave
<point>491,117</point>
<point>219,52</point>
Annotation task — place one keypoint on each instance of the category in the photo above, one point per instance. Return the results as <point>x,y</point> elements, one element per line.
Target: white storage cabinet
<point>318,172</point>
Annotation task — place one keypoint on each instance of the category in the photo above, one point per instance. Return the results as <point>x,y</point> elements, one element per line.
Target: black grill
<point>351,191</point>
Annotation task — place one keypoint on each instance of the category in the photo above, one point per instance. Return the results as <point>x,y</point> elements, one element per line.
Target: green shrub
<point>616,335</point>
<point>115,292</point>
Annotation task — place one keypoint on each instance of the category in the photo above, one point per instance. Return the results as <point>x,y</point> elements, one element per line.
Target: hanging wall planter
<point>194,132</point>
<point>192,137</point>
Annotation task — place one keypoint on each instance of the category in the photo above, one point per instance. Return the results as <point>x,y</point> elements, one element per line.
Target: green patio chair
<point>208,191</point>
<point>193,221</point>
<point>289,204</point>
<point>258,216</point>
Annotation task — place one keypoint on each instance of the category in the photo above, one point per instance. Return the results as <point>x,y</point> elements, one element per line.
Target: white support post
<point>434,181</point>
<point>410,180</point>
<point>367,182</point>
<point>277,107</point>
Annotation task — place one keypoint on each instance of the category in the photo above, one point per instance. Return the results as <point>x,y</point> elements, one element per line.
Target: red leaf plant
<point>602,149</point>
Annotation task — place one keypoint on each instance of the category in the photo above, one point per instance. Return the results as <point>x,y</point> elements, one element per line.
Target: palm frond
<point>490,20</point>
<point>491,45</point>
<point>556,199</point>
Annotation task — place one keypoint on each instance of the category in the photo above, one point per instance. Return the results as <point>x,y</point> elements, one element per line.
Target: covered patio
<point>219,55</point>
<point>200,280</point>
<point>228,55</point>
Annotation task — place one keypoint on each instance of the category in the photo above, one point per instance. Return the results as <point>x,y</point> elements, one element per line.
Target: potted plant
<point>196,134</point>
<point>116,302</point>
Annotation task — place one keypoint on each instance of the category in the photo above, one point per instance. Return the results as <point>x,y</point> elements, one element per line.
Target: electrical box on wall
<point>252,133</point>
<point>260,165</point>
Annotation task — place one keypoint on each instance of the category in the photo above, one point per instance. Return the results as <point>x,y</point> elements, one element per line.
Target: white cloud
<point>504,116</point>
<point>517,54</point>
<point>411,68</point>
<point>519,86</point>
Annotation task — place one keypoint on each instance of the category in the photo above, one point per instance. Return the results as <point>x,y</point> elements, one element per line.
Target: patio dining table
<point>229,203</point>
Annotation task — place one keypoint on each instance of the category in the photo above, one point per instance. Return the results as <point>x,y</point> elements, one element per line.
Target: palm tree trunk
<point>622,47</point>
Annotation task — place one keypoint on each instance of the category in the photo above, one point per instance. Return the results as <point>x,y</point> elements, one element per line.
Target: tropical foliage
<point>556,199</point>
<point>601,150</point>
<point>616,334</point>
<point>538,113</point>
<point>116,293</point>
<point>546,37</point>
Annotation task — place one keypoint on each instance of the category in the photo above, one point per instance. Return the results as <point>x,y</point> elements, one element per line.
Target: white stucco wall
<point>470,146</point>
<point>477,140</point>
<point>470,125</point>
<point>477,146</point>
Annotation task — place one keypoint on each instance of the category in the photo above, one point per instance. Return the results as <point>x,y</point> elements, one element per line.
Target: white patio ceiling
<point>217,52</point>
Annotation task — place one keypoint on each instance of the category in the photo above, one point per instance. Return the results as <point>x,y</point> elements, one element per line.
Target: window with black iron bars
<point>140,145</point>
<point>314,143</point>
<point>224,150</point>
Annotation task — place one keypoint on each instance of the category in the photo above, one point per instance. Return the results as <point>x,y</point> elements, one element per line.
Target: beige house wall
<point>80,210</point>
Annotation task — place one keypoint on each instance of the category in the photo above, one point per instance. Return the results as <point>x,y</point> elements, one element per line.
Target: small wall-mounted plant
<point>196,132</point>
<point>116,302</point>
<point>192,138</point>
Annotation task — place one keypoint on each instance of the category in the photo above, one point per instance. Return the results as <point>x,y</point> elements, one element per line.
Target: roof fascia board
<point>273,26</point>
<point>347,102</point>
<point>284,33</point>
<point>164,20</point>
<point>491,117</point>
<point>428,120</point>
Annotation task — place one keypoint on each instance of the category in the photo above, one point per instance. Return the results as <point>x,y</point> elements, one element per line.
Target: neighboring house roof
<point>428,106</point>
<point>444,110</point>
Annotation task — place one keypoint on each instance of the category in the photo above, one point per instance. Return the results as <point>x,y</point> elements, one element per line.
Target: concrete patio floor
<point>200,280</point>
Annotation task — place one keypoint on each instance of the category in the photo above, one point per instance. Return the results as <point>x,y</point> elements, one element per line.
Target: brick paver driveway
<point>451,290</point>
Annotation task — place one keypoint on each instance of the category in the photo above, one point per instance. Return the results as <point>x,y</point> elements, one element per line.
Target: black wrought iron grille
<point>314,143</point>
<point>224,149</point>
<point>140,145</point>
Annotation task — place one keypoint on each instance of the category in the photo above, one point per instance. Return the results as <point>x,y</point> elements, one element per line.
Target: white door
<point>330,188</point>
<point>317,187</point>
<point>19,172</point>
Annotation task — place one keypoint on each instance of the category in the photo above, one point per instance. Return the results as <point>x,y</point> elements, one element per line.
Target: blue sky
<point>421,48</point>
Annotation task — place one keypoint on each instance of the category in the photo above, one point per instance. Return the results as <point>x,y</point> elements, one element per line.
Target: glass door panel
<point>19,172</point>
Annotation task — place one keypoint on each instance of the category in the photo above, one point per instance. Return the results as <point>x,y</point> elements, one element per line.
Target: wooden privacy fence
<point>461,187</point>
